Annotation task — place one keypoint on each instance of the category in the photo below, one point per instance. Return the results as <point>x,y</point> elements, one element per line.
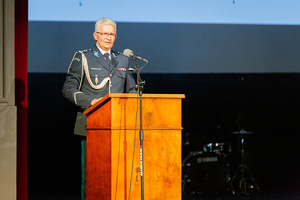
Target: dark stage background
<point>173,48</point>
<point>268,103</point>
<point>225,71</point>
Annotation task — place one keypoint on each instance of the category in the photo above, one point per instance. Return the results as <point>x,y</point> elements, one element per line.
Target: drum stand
<point>243,169</point>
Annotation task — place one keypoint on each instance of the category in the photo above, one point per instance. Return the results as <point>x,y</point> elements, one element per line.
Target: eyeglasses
<point>108,34</point>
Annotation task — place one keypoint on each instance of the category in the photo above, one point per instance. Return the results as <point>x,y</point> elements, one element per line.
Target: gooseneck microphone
<point>129,53</point>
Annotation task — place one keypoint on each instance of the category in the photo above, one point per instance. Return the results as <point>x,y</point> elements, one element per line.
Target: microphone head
<point>131,69</point>
<point>128,53</point>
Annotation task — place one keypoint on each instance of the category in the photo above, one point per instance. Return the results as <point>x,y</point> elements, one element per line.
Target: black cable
<point>135,129</point>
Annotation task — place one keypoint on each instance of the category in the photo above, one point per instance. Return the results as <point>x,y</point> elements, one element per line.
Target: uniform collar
<point>101,59</point>
<point>102,51</point>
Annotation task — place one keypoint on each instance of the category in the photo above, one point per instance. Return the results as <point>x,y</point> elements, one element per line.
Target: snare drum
<point>204,173</point>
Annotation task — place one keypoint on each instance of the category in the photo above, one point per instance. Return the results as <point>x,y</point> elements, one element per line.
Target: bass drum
<point>204,173</point>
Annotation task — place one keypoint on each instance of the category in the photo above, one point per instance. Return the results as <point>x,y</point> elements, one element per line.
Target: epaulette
<point>116,53</point>
<point>86,50</point>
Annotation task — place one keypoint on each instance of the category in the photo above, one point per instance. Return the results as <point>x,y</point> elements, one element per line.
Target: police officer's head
<point>105,33</point>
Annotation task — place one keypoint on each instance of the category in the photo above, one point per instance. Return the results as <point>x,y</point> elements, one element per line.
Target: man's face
<point>105,42</point>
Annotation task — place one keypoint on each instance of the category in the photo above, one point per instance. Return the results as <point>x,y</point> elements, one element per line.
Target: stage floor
<point>270,195</point>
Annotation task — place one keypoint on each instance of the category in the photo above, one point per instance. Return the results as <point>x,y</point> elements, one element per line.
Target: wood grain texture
<point>112,171</point>
<point>98,161</point>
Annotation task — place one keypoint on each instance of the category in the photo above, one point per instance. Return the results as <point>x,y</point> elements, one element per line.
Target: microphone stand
<point>139,88</point>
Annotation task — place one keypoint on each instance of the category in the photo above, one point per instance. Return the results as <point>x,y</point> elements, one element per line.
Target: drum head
<point>204,173</point>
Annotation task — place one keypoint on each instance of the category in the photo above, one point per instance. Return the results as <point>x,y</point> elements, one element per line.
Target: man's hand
<point>95,101</point>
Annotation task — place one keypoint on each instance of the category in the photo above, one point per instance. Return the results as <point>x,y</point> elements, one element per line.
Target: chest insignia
<point>121,69</point>
<point>95,68</point>
<point>96,54</point>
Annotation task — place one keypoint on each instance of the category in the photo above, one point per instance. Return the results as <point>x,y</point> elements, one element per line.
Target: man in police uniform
<point>93,74</point>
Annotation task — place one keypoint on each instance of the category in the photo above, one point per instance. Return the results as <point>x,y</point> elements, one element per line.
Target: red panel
<point>21,75</point>
<point>98,164</point>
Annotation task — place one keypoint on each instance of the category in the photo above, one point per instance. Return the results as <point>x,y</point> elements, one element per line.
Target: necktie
<point>106,55</point>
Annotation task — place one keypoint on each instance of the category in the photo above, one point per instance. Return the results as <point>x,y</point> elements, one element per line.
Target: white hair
<point>105,20</point>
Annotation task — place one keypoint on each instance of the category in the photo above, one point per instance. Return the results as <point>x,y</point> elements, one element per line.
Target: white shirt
<point>103,52</point>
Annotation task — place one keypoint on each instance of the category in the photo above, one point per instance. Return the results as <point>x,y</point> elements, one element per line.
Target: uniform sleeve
<point>130,83</point>
<point>72,85</point>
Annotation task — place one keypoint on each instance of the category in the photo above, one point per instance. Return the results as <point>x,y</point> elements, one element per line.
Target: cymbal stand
<point>242,170</point>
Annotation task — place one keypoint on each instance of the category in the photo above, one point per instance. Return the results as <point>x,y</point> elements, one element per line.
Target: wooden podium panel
<point>112,173</point>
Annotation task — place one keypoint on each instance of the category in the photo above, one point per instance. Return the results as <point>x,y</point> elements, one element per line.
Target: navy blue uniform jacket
<point>88,69</point>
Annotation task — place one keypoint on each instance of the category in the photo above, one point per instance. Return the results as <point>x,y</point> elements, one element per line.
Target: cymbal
<point>242,132</point>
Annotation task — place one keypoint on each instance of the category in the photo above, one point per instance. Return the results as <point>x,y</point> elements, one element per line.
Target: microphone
<point>129,53</point>
<point>131,69</point>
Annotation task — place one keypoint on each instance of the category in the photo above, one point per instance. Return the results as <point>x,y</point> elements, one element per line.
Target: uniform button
<point>110,75</point>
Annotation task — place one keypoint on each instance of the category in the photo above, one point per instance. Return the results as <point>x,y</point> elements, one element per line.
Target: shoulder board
<point>115,53</point>
<point>83,51</point>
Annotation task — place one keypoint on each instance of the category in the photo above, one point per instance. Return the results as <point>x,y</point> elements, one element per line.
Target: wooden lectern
<point>112,172</point>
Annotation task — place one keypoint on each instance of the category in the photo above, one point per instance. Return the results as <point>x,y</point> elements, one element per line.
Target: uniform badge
<point>122,69</point>
<point>96,54</point>
<point>95,68</point>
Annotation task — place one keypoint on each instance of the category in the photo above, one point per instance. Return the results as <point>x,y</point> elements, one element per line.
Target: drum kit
<point>207,171</point>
